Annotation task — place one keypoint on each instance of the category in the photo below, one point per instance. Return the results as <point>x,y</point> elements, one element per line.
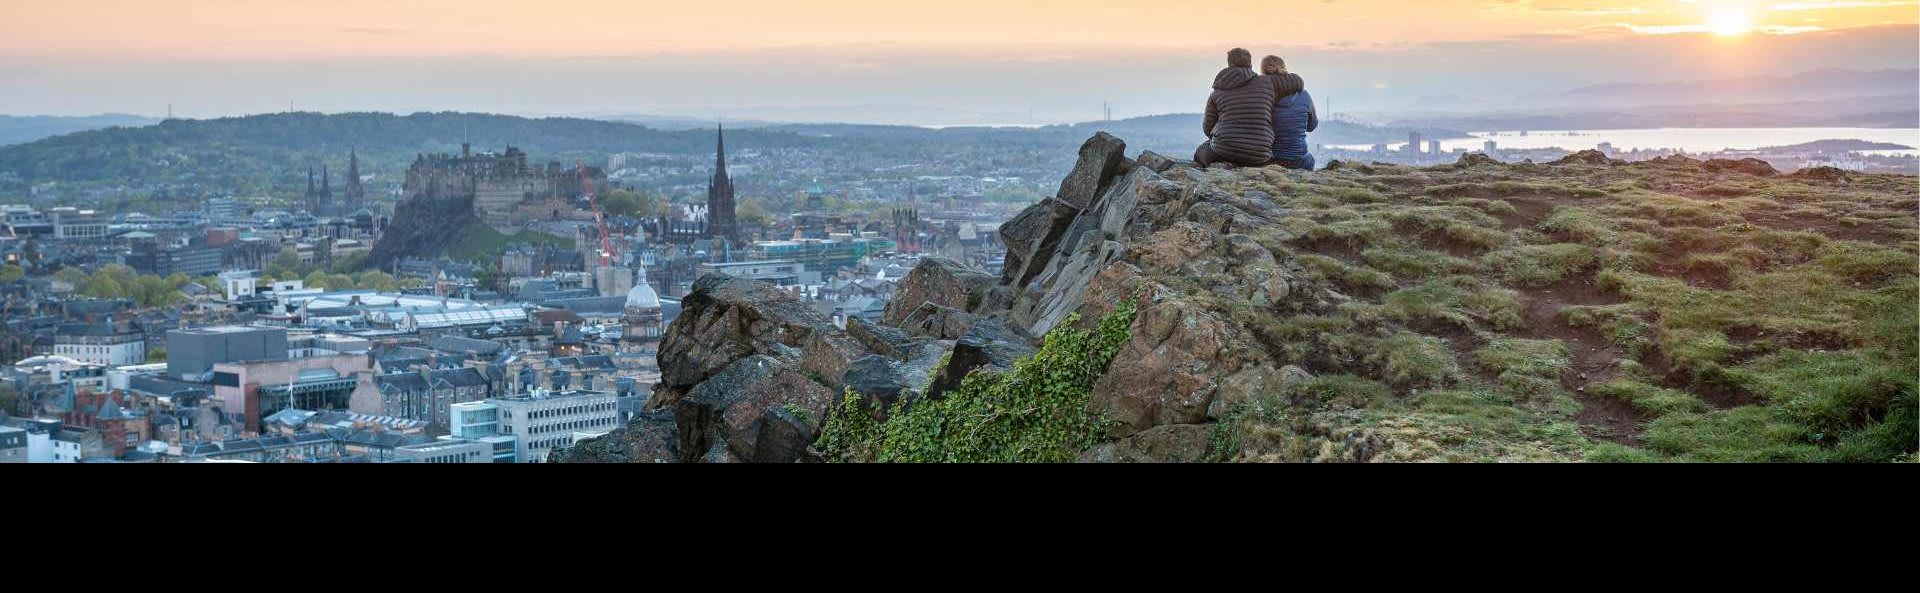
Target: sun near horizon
<point>1729,21</point>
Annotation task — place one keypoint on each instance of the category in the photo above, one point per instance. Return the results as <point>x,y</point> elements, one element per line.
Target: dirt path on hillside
<point>1591,358</point>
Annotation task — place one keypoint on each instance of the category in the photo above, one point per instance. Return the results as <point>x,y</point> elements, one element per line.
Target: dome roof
<point>642,297</point>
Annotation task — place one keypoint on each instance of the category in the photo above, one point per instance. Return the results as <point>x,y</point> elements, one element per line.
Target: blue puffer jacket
<point>1293,118</point>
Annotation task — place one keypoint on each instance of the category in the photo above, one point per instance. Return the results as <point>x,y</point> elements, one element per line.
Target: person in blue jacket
<point>1293,118</point>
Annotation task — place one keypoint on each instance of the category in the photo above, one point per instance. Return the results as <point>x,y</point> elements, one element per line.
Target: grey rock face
<point>724,320</point>
<point>939,281</point>
<point>1100,160</point>
<point>988,345</point>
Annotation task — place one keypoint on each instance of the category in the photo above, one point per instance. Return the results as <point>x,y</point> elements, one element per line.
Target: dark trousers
<point>1205,156</point>
<point>1305,163</point>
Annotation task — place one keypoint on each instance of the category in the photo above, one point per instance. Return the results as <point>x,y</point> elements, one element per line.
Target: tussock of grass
<point>1417,263</point>
<point>1541,265</point>
<point>1528,366</point>
<point>1324,268</point>
<point>1462,300</point>
<point>1655,401</point>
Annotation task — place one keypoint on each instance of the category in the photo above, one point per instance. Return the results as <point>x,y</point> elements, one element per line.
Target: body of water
<point>1687,139</point>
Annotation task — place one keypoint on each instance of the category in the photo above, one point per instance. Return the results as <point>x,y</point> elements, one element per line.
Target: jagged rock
<point>718,453</point>
<point>1755,167</point>
<point>828,353</point>
<point>888,341</point>
<point>1171,250</point>
<point>939,281</point>
<point>1471,159</point>
<point>1221,217</point>
<point>988,345</point>
<point>1161,191</point>
<point>1171,369</point>
<point>731,409</point>
<point>1827,174</point>
<point>651,438</point>
<point>1020,234</point>
<point>1000,298</point>
<point>724,320</point>
<point>873,378</point>
<point>783,437</point>
<point>1251,382</point>
<point>1159,164</point>
<point>700,414</point>
<point>1100,160</point>
<point>1585,157</point>
<point>1032,239</point>
<point>1674,160</point>
<point>1179,443</point>
<point>1068,289</point>
<point>937,322</point>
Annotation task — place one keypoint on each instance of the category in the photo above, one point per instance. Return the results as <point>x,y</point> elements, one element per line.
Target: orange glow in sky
<point>278,29</point>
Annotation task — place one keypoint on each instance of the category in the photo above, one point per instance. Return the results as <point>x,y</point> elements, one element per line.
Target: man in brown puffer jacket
<point>1239,120</point>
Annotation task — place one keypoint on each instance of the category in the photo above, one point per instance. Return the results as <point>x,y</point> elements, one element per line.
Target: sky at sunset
<point>1048,60</point>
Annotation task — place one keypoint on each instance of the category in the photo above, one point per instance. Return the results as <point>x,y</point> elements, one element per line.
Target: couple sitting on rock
<point>1256,119</point>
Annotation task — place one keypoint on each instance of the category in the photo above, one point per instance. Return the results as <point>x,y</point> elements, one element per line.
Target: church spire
<point>720,156</point>
<point>355,193</point>
<point>720,207</point>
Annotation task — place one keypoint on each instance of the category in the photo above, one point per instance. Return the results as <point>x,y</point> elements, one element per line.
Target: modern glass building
<point>824,255</point>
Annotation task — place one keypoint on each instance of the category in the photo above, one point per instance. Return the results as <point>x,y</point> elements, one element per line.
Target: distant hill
<point>1892,111</point>
<point>250,153</point>
<point>19,129</point>
<point>270,154</point>
<point>1828,84</point>
<point>1172,135</point>
<point>1838,146</point>
<point>1185,129</point>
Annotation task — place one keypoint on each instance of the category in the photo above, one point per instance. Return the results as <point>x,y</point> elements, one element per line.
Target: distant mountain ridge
<point>250,153</point>
<point>21,129</point>
<point>254,153</point>
<point>1826,84</point>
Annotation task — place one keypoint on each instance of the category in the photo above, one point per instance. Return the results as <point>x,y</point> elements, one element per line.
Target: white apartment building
<point>544,420</point>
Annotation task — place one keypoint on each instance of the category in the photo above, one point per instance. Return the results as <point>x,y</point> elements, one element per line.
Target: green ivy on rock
<point>1035,413</point>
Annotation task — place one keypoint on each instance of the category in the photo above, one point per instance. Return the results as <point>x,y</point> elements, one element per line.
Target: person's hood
<point>1287,84</point>
<point>1233,78</point>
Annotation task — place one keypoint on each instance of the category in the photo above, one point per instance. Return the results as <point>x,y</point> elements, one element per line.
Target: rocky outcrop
<point>1589,157</point>
<point>748,373</point>
<point>1180,443</point>
<point>987,346</point>
<point>939,281</point>
<point>653,437</point>
<point>1034,237</point>
<point>424,227</point>
<point>1755,167</point>
<point>727,319</point>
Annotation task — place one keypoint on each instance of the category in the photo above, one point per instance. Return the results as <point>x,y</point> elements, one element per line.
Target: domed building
<point>642,316</point>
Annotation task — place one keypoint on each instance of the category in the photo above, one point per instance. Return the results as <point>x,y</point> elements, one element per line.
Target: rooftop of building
<point>541,396</point>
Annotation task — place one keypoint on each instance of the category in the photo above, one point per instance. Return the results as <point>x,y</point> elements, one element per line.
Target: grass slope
<point>1667,311</point>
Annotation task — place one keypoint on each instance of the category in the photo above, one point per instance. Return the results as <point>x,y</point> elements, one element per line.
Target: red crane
<point>599,216</point>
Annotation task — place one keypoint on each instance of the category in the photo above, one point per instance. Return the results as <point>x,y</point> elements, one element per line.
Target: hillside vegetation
<point>1588,309</point>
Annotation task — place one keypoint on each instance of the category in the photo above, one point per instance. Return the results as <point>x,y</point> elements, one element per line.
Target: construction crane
<point>599,216</point>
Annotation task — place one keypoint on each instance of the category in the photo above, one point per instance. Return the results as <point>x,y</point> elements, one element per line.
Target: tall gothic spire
<point>720,157</point>
<point>720,212</point>
<point>355,193</point>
